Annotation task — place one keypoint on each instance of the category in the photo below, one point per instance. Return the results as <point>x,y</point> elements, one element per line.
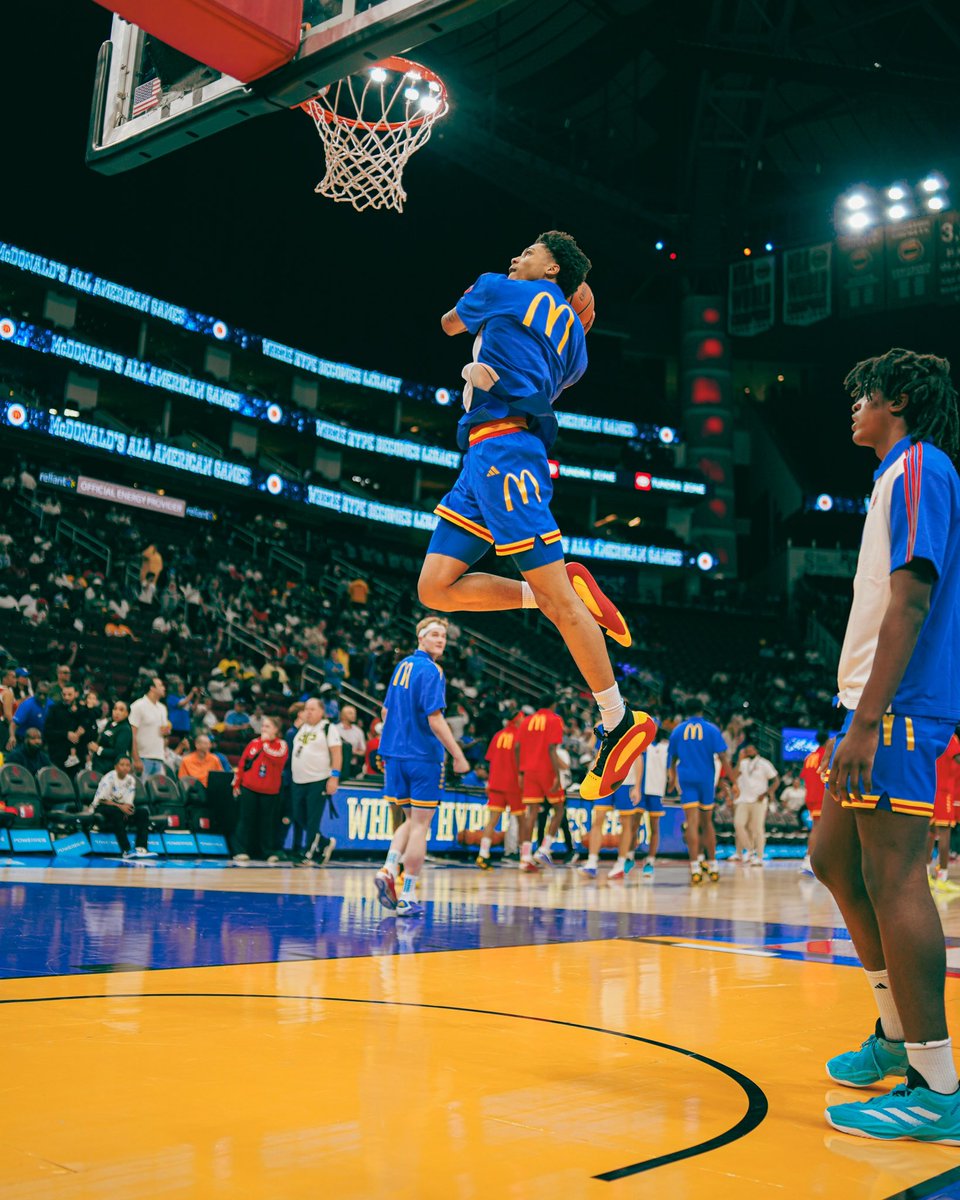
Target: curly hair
<point>931,410</point>
<point>573,263</point>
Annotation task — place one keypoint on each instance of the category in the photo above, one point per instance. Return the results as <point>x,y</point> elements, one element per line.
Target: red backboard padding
<point>242,38</point>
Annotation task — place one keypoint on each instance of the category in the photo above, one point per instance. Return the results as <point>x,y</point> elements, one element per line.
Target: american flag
<point>146,96</point>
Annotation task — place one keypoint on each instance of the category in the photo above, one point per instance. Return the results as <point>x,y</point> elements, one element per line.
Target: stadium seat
<point>167,807</point>
<point>18,790</point>
<point>58,800</point>
<point>86,784</point>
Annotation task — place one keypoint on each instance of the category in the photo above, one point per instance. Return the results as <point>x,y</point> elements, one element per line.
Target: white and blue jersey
<point>914,516</point>
<point>411,752</point>
<point>533,345</point>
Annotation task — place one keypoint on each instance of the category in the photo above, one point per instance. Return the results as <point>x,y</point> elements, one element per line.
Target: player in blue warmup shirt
<point>691,768</point>
<point>415,735</point>
<point>528,346</point>
<point>899,681</point>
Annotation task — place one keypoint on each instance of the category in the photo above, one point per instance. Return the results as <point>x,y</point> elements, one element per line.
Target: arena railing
<point>250,640</point>
<point>67,531</point>
<point>348,692</point>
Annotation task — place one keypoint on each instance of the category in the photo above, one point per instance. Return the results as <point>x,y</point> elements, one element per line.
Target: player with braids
<point>899,681</point>
<point>924,379</point>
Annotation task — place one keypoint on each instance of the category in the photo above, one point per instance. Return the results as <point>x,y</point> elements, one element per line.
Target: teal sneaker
<point>907,1113</point>
<point>875,1060</point>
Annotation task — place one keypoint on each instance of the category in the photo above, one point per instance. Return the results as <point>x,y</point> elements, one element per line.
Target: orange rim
<point>394,63</point>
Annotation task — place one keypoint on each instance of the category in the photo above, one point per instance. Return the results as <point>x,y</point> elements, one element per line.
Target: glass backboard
<point>149,98</point>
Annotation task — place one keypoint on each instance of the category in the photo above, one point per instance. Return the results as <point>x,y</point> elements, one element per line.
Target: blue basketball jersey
<point>417,689</point>
<point>532,339</point>
<point>694,742</point>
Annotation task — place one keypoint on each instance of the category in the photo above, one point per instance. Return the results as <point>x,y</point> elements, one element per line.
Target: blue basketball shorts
<point>652,805</point>
<point>697,792</point>
<point>412,781</point>
<point>905,767</point>
<point>501,499</point>
<point>622,801</point>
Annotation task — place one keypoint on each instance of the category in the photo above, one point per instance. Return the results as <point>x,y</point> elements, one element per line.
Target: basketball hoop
<point>371,122</point>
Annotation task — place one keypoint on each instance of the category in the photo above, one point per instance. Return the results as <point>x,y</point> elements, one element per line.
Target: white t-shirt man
<point>353,737</point>
<point>754,778</point>
<point>148,717</point>
<point>310,760</point>
<point>655,769</point>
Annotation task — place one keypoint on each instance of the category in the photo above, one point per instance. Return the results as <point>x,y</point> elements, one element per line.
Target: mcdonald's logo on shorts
<point>521,484</point>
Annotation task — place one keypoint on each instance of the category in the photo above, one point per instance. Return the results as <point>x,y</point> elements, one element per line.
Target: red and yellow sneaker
<point>601,607</point>
<point>618,751</point>
<point>386,888</point>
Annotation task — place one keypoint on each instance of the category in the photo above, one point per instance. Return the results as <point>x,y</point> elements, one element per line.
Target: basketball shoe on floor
<point>484,863</point>
<point>618,751</point>
<point>875,1060</point>
<point>617,874</point>
<point>528,867</point>
<point>913,1113</point>
<point>587,872</point>
<point>542,858</point>
<point>601,607</point>
<point>409,908</point>
<point>695,879</point>
<point>647,871</point>
<point>386,888</point>
<point>629,865</point>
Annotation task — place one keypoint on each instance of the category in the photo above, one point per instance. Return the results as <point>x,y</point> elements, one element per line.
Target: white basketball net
<point>371,123</point>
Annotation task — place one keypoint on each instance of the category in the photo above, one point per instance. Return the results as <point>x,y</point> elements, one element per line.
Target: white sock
<point>485,844</point>
<point>593,860</point>
<point>526,850</point>
<point>632,856</point>
<point>889,1017</point>
<point>621,863</point>
<point>934,1061</point>
<point>546,842</point>
<point>694,866</point>
<point>612,707</point>
<point>393,861</point>
<point>529,599</point>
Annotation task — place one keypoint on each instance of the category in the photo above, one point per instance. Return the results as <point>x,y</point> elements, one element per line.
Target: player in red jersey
<point>945,804</point>
<point>814,785</point>
<point>540,735</point>
<point>503,784</point>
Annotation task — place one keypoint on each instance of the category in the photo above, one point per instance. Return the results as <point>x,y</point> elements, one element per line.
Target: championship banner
<point>861,282</point>
<point>750,305</point>
<point>948,257</point>
<point>808,284</point>
<point>910,256</point>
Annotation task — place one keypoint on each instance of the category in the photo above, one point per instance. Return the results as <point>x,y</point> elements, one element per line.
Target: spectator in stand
<point>755,787</point>
<point>258,782</point>
<point>114,740</point>
<point>315,766</point>
<point>173,755</point>
<point>32,712</point>
<point>274,673</point>
<point>200,761</point>
<point>148,592</point>
<point>8,705</point>
<point>65,732</point>
<point>353,741</point>
<point>151,564</point>
<point>358,590</point>
<point>64,678</point>
<point>179,706</point>
<point>150,724</point>
<point>30,753</point>
<point>8,603</point>
<point>237,717</point>
<point>371,762</point>
<point>114,806</point>
<point>119,629</point>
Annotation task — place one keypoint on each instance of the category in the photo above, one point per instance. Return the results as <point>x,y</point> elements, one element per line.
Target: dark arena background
<point>227,414</point>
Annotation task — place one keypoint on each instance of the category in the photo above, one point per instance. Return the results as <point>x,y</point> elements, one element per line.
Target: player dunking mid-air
<point>691,769</point>
<point>503,785</point>
<point>529,346</point>
<point>899,680</point>
<point>415,735</point>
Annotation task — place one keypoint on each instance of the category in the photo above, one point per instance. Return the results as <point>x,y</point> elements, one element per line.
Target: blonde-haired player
<point>415,735</point>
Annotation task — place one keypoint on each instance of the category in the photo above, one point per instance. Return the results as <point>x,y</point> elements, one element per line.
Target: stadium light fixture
<point>897,191</point>
<point>934,182</point>
<point>897,212</point>
<point>858,221</point>
<point>937,202</point>
<point>768,246</point>
<point>378,75</point>
<point>856,201</point>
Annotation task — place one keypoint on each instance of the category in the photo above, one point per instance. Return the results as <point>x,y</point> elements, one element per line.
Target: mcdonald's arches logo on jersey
<point>505,741</point>
<point>521,482</point>
<point>554,311</point>
<point>693,733</point>
<point>402,676</point>
<point>538,722</point>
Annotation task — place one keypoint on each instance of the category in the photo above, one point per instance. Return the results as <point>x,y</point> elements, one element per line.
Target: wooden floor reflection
<point>670,1064</point>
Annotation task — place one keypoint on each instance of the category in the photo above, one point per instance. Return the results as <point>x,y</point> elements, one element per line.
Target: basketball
<point>582,304</point>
